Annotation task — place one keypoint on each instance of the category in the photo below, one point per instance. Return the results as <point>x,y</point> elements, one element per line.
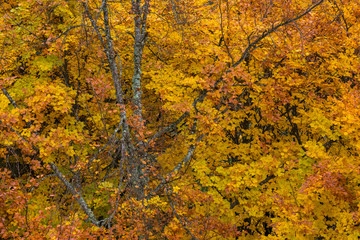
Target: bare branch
<point>21,137</point>
<point>76,194</point>
<point>169,128</point>
<point>111,140</point>
<point>9,97</point>
<point>178,167</point>
<point>65,32</point>
<point>140,40</point>
<point>115,72</point>
<point>223,36</point>
<point>93,23</point>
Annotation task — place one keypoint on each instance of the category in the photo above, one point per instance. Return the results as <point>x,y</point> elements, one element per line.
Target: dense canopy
<point>179,119</point>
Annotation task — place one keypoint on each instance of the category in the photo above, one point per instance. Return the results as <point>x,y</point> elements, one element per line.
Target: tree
<point>179,119</point>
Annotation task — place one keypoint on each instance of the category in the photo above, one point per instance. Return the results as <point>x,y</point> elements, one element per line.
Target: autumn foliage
<point>179,119</point>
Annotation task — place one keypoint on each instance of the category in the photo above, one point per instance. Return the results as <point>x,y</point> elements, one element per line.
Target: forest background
<point>179,119</point>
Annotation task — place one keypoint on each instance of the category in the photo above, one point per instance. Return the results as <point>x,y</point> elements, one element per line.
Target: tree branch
<point>10,98</point>
<point>76,194</point>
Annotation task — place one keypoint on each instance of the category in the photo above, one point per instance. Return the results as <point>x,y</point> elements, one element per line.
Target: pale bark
<point>76,194</point>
